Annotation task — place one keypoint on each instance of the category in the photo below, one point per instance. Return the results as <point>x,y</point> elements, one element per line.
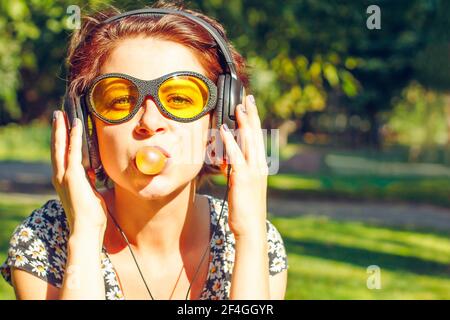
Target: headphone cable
<point>204,254</point>
<point>215,229</point>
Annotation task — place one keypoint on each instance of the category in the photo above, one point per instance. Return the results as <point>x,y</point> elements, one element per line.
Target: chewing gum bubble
<point>150,160</point>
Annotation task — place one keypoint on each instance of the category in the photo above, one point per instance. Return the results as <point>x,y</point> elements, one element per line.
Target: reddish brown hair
<point>91,45</point>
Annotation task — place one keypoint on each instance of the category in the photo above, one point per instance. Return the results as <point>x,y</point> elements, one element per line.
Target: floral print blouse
<point>39,246</point>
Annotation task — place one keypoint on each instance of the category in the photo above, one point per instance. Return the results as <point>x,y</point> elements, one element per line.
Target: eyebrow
<point>116,84</point>
<point>186,85</point>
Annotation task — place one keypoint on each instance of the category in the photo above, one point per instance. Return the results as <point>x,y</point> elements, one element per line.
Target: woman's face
<point>147,59</point>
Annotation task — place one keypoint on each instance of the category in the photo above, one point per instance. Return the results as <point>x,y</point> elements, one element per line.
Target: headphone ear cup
<point>236,96</point>
<point>226,102</point>
<point>94,152</point>
<point>81,114</point>
<point>218,111</point>
<point>215,144</point>
<point>75,108</point>
<point>233,94</point>
<point>72,108</point>
<point>92,143</point>
<point>91,155</point>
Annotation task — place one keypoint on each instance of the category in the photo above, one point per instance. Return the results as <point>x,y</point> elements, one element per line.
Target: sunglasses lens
<point>184,96</point>
<point>114,98</point>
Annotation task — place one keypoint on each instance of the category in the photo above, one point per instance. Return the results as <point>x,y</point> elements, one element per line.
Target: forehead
<point>149,58</point>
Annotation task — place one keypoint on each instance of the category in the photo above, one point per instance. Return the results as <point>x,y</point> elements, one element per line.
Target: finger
<point>234,153</point>
<point>67,138</point>
<point>242,131</point>
<point>52,143</point>
<point>248,136</point>
<point>74,152</point>
<point>59,145</point>
<point>52,146</point>
<point>242,116</point>
<point>252,116</point>
<point>258,149</point>
<point>252,111</point>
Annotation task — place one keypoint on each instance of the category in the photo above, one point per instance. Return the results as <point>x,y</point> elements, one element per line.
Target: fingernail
<point>252,99</point>
<point>225,127</point>
<point>74,122</point>
<point>55,115</point>
<point>242,107</point>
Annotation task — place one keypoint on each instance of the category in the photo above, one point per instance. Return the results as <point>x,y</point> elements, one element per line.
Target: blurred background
<point>364,122</point>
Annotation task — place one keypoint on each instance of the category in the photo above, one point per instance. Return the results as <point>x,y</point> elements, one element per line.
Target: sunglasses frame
<point>150,88</point>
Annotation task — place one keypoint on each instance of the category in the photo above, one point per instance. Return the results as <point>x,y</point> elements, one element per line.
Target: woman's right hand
<point>85,208</point>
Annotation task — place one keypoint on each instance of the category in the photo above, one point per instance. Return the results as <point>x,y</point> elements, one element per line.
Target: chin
<point>154,187</point>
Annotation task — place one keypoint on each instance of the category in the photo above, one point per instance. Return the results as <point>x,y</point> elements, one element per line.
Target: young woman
<point>148,236</point>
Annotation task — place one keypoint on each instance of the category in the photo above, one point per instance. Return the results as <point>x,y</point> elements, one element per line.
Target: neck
<point>157,225</point>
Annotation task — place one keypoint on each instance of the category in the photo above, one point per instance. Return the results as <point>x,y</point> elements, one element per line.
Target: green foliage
<point>299,52</point>
<point>432,66</point>
<point>294,61</point>
<point>15,29</point>
<point>288,80</point>
<point>289,87</point>
<point>418,118</point>
<point>33,41</point>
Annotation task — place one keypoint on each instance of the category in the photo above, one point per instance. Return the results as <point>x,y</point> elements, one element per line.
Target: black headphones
<point>230,89</point>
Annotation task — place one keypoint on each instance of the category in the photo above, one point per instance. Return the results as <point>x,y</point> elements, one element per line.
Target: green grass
<point>12,211</point>
<point>362,175</point>
<point>412,189</point>
<point>350,174</point>
<point>408,189</point>
<point>327,258</point>
<point>25,143</point>
<point>366,174</point>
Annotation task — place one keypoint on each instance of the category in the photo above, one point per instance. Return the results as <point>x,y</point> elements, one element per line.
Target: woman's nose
<point>151,121</point>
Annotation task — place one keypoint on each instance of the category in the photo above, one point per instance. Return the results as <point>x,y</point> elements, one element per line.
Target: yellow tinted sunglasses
<point>182,96</point>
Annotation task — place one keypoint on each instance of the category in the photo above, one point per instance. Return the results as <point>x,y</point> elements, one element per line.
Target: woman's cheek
<point>108,153</point>
<point>113,152</point>
<point>191,147</point>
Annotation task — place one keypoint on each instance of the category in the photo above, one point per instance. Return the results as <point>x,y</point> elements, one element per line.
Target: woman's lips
<point>164,151</point>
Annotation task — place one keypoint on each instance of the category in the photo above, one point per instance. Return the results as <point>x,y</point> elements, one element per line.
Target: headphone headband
<point>230,92</point>
<point>212,31</point>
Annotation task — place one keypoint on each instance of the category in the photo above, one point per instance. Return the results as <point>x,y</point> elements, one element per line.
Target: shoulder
<point>46,223</point>
<point>215,205</point>
<point>277,250</point>
<point>38,244</point>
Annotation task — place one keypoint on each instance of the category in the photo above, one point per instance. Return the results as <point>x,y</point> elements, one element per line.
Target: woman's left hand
<point>247,198</point>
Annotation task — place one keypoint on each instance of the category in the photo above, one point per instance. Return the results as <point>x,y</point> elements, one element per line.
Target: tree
<point>33,42</point>
<point>294,57</point>
<point>302,50</point>
<point>433,61</point>
<point>298,51</point>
